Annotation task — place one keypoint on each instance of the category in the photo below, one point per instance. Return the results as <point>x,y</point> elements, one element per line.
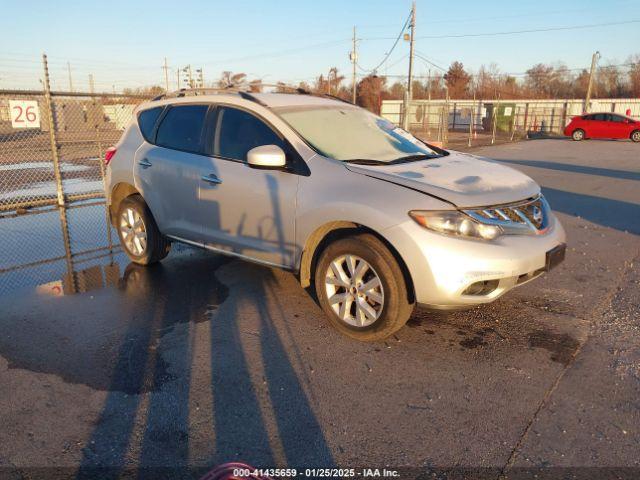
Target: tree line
<point>541,81</point>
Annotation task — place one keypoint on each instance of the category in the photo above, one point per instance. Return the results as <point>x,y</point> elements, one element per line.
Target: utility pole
<point>409,95</point>
<point>594,61</point>
<point>354,59</point>
<point>165,67</point>
<point>70,80</point>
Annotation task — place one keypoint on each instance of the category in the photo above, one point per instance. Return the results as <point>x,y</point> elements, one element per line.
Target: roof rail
<point>230,89</point>
<point>335,97</point>
<point>245,92</point>
<point>183,92</point>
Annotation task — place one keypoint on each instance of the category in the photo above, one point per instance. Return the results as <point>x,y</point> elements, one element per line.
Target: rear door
<point>245,210</point>
<point>167,170</point>
<point>599,126</point>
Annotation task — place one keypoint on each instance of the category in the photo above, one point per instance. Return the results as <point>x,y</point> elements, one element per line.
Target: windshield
<point>354,134</point>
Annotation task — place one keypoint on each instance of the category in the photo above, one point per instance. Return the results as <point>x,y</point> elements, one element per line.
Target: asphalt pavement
<point>203,360</point>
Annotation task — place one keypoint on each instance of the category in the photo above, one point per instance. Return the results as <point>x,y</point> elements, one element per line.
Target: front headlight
<point>453,222</point>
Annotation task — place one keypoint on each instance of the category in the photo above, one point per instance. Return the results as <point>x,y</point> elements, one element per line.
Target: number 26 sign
<point>24,114</point>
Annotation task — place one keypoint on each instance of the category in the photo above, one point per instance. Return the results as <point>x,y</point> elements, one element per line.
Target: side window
<point>617,119</point>
<point>237,132</point>
<point>588,117</point>
<point>600,117</point>
<point>181,128</point>
<point>147,121</point>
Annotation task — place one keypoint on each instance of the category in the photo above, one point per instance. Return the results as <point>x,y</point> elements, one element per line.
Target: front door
<point>247,211</point>
<point>618,126</point>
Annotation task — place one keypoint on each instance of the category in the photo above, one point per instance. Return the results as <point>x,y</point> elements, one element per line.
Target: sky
<point>124,43</point>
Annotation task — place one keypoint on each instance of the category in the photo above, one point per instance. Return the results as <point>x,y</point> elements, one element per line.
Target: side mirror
<point>266,156</point>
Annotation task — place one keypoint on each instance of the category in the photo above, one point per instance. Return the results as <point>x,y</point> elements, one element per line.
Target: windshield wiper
<point>365,161</point>
<point>414,158</point>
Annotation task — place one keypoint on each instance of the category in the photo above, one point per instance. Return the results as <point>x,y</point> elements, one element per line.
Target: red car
<point>603,125</point>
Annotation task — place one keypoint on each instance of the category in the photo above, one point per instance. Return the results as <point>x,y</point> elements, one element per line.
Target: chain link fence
<point>52,146</point>
<point>53,216</point>
<point>469,123</point>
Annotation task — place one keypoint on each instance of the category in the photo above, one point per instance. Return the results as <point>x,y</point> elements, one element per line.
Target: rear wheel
<point>578,134</point>
<point>635,136</point>
<point>138,232</point>
<point>361,288</point>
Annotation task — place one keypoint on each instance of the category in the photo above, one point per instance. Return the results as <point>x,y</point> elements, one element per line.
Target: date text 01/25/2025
<point>315,473</point>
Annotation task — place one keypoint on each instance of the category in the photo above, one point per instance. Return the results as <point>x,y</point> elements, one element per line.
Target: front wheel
<point>362,289</point>
<point>578,135</point>
<point>138,232</point>
<point>635,136</point>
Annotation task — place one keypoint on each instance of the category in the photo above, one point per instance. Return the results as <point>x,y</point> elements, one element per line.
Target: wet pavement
<point>106,367</point>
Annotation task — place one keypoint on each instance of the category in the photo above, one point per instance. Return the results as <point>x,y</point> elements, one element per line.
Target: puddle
<point>65,167</point>
<point>473,342</point>
<point>561,346</point>
<point>75,307</point>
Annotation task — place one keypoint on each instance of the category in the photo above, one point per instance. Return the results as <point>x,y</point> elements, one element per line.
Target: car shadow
<point>584,169</point>
<point>603,211</point>
<point>160,366</point>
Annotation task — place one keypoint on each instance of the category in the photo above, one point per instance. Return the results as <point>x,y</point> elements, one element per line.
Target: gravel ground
<point>203,360</point>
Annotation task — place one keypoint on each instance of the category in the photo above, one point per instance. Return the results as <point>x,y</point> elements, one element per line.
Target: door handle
<point>211,178</point>
<point>145,163</point>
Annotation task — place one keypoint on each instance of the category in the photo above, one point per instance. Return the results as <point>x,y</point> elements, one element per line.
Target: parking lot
<point>203,360</point>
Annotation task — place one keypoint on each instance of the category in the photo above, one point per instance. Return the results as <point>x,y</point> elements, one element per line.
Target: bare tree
<point>634,76</point>
<point>396,92</point>
<point>228,79</point>
<point>334,79</point>
<point>255,86</point>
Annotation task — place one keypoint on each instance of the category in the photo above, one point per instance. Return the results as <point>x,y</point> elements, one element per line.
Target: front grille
<point>531,214</point>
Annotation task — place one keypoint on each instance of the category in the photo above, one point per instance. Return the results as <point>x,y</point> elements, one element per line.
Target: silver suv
<point>371,217</point>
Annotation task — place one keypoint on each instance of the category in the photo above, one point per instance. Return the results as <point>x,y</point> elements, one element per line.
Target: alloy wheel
<point>354,290</point>
<point>134,232</point>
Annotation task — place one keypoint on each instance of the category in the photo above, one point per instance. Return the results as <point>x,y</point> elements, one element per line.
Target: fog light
<point>484,287</point>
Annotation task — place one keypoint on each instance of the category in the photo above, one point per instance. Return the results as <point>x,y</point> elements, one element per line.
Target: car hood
<point>459,178</point>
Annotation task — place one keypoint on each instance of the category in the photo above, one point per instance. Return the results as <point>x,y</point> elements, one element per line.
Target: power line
<point>516,32</point>
<point>480,19</point>
<point>282,53</point>
<point>424,59</point>
<point>386,57</point>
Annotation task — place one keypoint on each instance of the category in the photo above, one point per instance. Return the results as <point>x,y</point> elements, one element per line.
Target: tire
<point>578,134</point>
<point>151,246</point>
<point>388,304</point>
<point>635,136</point>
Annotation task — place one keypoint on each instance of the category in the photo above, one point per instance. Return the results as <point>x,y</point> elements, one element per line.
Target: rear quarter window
<point>147,121</point>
